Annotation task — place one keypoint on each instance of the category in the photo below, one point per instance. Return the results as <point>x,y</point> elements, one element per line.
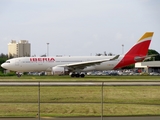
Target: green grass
<point>87,78</point>
<point>72,110</point>
<point>59,101</point>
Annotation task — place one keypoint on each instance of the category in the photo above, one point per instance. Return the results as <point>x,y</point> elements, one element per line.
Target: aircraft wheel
<point>72,75</point>
<point>82,75</point>
<point>77,75</point>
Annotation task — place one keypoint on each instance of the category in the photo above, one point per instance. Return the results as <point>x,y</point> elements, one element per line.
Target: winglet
<point>114,58</point>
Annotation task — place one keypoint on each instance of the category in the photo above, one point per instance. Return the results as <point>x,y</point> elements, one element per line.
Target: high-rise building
<point>20,49</point>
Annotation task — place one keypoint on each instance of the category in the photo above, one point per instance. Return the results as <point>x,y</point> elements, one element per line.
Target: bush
<point>7,74</point>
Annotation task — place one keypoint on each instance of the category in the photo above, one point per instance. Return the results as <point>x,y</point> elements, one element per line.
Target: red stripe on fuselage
<point>138,50</point>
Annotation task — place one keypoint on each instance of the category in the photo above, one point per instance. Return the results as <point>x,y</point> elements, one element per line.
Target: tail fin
<point>138,52</point>
<point>142,45</point>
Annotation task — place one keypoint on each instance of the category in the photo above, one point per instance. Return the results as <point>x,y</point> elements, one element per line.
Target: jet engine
<point>57,70</point>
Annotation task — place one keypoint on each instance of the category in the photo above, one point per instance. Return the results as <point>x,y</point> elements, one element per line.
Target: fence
<point>41,94</point>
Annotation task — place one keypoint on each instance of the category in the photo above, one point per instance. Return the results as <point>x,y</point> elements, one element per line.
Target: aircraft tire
<point>73,75</point>
<point>82,75</point>
<point>77,75</point>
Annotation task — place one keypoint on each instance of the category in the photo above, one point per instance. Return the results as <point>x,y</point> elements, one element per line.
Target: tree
<point>105,54</point>
<point>3,58</point>
<point>110,54</point>
<point>98,54</point>
<point>154,58</point>
<point>44,55</point>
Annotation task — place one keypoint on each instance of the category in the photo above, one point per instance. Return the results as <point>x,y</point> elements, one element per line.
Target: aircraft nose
<point>2,65</point>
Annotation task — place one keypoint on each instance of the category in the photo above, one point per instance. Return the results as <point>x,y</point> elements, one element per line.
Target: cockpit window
<point>7,61</point>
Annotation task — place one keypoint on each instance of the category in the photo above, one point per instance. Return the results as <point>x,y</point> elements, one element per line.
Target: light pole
<point>47,49</point>
<point>122,49</point>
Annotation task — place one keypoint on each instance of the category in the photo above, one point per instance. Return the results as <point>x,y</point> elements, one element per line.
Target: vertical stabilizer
<point>138,52</point>
<point>142,45</point>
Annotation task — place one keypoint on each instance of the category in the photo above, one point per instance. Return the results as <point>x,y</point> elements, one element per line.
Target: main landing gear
<point>77,75</point>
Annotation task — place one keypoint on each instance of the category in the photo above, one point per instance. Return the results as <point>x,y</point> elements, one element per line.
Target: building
<point>20,49</point>
<point>150,66</point>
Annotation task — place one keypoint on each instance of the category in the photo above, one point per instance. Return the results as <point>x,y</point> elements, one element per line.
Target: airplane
<point>78,65</point>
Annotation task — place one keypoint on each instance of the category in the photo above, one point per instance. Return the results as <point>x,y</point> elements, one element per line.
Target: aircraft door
<point>17,62</point>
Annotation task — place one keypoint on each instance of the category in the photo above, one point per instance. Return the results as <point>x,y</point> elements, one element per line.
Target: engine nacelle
<point>58,70</point>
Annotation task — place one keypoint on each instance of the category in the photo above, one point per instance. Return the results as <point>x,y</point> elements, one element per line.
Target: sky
<point>78,27</point>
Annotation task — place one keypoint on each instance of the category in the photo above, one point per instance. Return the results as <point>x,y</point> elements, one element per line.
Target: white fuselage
<point>31,64</point>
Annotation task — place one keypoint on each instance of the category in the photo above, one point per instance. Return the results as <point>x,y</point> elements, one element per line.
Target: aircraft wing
<point>82,65</point>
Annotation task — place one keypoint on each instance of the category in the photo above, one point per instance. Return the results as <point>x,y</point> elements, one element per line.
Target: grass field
<point>79,101</point>
<point>87,78</point>
<point>60,101</point>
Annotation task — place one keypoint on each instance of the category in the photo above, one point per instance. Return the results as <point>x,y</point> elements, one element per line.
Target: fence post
<point>102,103</point>
<point>39,100</point>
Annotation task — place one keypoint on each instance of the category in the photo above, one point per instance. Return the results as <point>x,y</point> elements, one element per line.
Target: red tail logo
<point>138,52</point>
